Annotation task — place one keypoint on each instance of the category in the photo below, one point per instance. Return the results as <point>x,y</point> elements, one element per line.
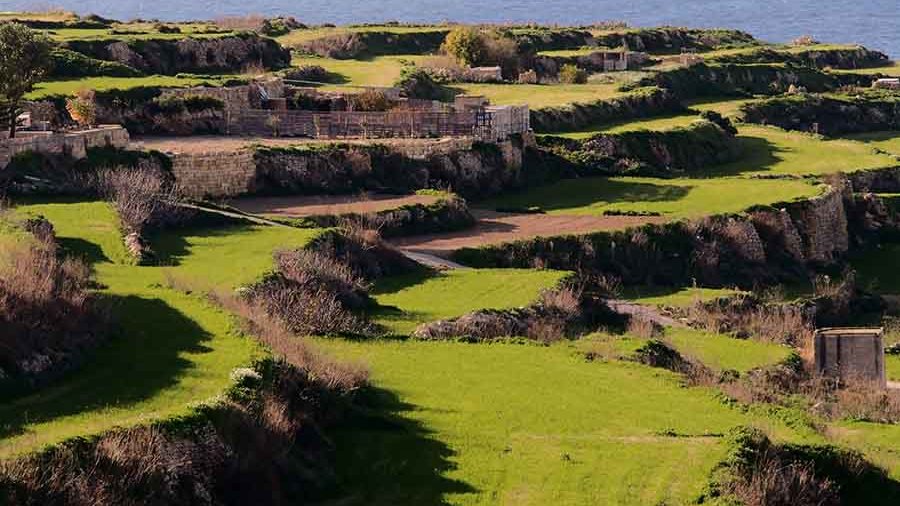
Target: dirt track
<point>496,228</point>
<point>299,206</point>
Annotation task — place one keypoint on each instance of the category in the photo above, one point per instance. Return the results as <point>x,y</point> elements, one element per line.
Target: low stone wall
<point>215,173</point>
<point>766,245</point>
<point>468,167</point>
<point>73,144</point>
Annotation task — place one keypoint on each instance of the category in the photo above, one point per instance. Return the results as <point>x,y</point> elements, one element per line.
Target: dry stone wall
<point>468,167</point>
<point>74,144</point>
<point>214,174</point>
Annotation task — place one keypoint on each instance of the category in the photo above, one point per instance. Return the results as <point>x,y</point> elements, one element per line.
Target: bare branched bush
<point>772,481</point>
<point>642,328</point>
<point>47,315</point>
<point>744,317</point>
<point>313,268</point>
<point>144,197</point>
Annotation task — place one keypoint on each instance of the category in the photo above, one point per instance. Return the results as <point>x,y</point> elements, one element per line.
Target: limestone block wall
<point>74,144</point>
<point>822,224</point>
<point>214,174</point>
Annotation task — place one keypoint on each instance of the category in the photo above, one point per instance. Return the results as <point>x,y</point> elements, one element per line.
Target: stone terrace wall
<point>822,224</point>
<point>468,167</point>
<point>235,98</point>
<point>74,144</point>
<point>214,174</point>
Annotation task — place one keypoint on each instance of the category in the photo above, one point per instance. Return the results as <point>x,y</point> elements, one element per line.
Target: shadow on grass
<point>172,246</point>
<point>385,458</point>
<point>585,192</point>
<point>143,359</point>
<point>90,252</point>
<point>757,155</point>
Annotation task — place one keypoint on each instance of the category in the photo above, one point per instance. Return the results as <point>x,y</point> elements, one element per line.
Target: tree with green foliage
<point>467,45</point>
<point>24,61</point>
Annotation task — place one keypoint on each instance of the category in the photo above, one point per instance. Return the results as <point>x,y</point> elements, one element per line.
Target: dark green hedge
<point>65,63</point>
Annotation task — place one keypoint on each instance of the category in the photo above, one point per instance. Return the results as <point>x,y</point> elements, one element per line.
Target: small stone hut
<point>851,354</point>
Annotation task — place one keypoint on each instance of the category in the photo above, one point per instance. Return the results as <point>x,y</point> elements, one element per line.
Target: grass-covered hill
<point>227,344</point>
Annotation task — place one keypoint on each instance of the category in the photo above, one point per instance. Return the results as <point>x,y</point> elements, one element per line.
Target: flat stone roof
<point>850,331</point>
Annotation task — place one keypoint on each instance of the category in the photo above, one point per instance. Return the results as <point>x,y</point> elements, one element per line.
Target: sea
<point>873,23</point>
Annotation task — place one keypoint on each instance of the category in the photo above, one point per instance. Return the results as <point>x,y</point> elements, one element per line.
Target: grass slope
<point>69,87</point>
<point>674,198</point>
<point>408,301</point>
<point>172,350</point>
<point>511,424</point>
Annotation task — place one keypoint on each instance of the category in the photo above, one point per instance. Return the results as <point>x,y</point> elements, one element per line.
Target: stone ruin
<point>851,354</point>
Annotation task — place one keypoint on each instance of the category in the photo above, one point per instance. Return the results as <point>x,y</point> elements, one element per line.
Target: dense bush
<point>418,83</point>
<point>68,64</point>
<point>668,39</point>
<point>867,111</point>
<point>48,318</point>
<point>639,103</point>
<point>358,45</point>
<point>571,74</point>
<point>315,73</point>
<point>830,57</point>
<point>467,44</point>
<point>643,152</point>
<point>370,101</point>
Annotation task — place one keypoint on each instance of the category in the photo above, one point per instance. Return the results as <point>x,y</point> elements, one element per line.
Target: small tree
<point>83,108</point>
<point>571,74</point>
<point>274,122</point>
<point>467,45</point>
<point>24,61</point>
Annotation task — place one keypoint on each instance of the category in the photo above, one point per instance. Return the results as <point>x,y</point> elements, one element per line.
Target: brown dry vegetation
<point>47,316</point>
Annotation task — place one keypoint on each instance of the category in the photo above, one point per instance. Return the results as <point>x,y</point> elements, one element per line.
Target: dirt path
<point>299,206</point>
<point>497,228</point>
<point>649,313</point>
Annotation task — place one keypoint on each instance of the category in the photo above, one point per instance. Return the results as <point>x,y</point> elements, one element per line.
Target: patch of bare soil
<point>300,206</point>
<point>497,228</point>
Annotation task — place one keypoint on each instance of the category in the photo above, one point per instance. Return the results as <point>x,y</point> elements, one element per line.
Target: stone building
<point>851,354</point>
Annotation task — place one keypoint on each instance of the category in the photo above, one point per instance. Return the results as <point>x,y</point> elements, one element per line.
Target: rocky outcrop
<point>482,169</point>
<point>826,57</point>
<point>729,79</point>
<point>668,39</point>
<point>169,56</point>
<point>649,153</point>
<point>646,102</point>
<point>766,245</point>
<point>829,115</point>
<point>356,45</point>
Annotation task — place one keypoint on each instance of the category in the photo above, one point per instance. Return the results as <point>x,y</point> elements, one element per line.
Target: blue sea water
<point>873,23</point>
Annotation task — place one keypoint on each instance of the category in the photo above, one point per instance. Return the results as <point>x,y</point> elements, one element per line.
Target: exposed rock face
<point>663,153</point>
<point>767,245</point>
<point>864,112</point>
<point>479,170</point>
<point>169,57</point>
<point>638,104</point>
<point>839,58</point>
<point>822,224</point>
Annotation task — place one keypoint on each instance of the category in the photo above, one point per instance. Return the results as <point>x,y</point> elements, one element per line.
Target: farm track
<point>497,228</point>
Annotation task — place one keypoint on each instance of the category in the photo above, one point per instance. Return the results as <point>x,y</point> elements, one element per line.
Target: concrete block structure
<point>850,354</point>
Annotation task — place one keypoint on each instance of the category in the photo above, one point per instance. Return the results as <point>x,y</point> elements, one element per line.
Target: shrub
<point>571,74</point>
<point>47,315</point>
<point>65,63</point>
<point>315,73</point>
<point>467,44</point>
<point>370,101</point>
<point>419,83</point>
<point>144,197</point>
<point>83,108</point>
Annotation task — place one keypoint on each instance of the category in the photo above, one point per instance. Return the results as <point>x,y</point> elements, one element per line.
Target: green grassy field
<point>770,150</point>
<point>722,352</point>
<point>673,198</point>
<point>541,95</point>
<point>659,123</point>
<point>726,106</point>
<point>410,300</point>
<point>675,296</point>
<point>464,424</point>
<point>378,71</point>
<point>69,87</point>
<point>171,350</point>
<point>885,141</point>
